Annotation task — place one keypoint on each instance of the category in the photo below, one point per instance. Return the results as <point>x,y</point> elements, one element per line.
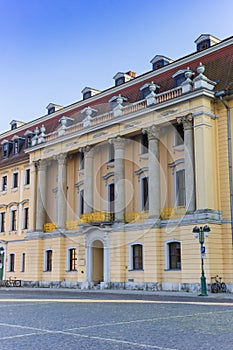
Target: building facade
<point>106,192</point>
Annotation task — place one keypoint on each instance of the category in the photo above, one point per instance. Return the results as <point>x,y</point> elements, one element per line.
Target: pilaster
<point>153,133</point>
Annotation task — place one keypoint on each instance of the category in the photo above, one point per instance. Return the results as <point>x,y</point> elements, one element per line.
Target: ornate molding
<point>186,121</point>
<point>118,142</point>
<point>153,132</point>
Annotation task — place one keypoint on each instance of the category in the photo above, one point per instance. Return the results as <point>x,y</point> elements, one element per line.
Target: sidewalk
<point>220,296</point>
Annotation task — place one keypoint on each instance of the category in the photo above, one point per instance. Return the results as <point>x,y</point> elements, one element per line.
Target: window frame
<point>144,144</point>
<point>25,218</point>
<point>11,262</point>
<point>13,220</point>
<point>168,262</point>
<point>27,176</point>
<point>4,183</point>
<point>72,259</point>
<point>2,221</point>
<point>48,260</point>
<point>144,206</point>
<point>177,196</point>
<point>132,257</point>
<point>178,135</point>
<point>15,180</point>
<point>23,262</point>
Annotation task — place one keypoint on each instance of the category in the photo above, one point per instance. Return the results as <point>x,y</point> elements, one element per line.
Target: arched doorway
<point>97,262</point>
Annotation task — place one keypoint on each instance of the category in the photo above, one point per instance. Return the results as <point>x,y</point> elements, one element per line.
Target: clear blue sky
<point>52,49</point>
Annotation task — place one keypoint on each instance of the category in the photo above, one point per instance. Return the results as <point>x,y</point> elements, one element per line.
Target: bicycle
<point>218,286</point>
<point>13,283</point>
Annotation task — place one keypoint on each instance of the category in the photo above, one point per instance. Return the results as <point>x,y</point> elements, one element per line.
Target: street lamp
<point>1,262</point>
<point>201,233</point>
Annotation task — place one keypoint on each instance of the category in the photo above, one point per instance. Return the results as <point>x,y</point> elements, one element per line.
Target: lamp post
<point>201,233</point>
<point>1,262</point>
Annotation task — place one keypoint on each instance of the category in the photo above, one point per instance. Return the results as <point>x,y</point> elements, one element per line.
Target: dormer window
<point>5,149</point>
<point>51,108</point>
<point>89,92</point>
<point>204,41</point>
<point>179,77</point>
<point>121,78</point>
<point>16,147</point>
<point>160,61</point>
<point>13,126</point>
<point>16,144</point>
<point>28,138</point>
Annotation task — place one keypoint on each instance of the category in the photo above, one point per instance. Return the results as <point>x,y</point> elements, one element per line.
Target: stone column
<point>88,179</point>
<point>153,133</point>
<point>119,178</point>
<point>62,190</point>
<point>189,162</point>
<point>32,196</point>
<point>41,195</point>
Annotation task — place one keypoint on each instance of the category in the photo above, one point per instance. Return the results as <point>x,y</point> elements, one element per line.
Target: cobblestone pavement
<point>71,319</point>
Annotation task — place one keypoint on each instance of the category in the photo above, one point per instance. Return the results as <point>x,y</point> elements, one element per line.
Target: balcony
<point>136,217</point>
<point>173,213</point>
<point>97,217</point>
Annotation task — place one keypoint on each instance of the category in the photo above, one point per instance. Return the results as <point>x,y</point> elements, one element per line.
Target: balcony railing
<point>172,213</point>
<point>50,227</point>
<point>97,217</point>
<point>132,217</point>
<point>132,108</point>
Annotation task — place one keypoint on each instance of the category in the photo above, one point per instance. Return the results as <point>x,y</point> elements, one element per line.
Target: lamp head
<point>206,230</point>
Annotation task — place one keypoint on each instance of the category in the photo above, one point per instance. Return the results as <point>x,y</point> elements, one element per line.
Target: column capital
<point>61,158</point>
<point>118,142</point>
<point>42,164</point>
<point>87,150</point>
<point>186,121</point>
<point>153,132</point>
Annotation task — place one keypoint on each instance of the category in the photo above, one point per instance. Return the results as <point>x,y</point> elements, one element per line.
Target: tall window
<point>174,256</point>
<point>81,160</point>
<point>111,153</point>
<point>2,221</point>
<point>4,183</point>
<point>180,187</point>
<point>16,147</point>
<point>80,203</point>
<point>15,180</point>
<point>25,218</point>
<point>27,176</point>
<point>12,262</point>
<point>144,143</point>
<point>23,262</point>
<point>48,260</point>
<point>137,257</point>
<point>144,194</point>
<point>5,150</point>
<point>179,134</point>
<point>72,263</point>
<point>111,198</point>
<point>13,220</point>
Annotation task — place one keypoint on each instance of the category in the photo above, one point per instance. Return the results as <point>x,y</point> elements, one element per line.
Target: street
<point>60,319</point>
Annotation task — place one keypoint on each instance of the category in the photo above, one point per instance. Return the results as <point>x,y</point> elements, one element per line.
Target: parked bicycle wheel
<point>223,287</point>
<point>18,283</point>
<point>215,288</point>
<point>8,283</point>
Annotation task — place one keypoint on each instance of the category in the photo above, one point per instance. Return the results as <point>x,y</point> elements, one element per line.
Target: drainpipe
<point>220,94</point>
